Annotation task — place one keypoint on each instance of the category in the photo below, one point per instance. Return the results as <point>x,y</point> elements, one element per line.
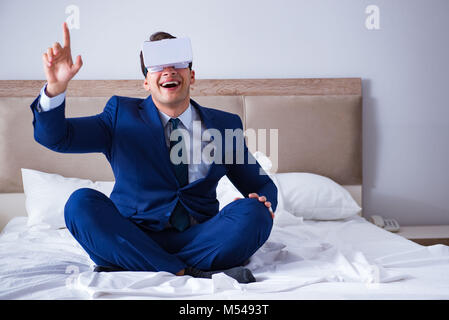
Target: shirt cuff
<point>46,103</point>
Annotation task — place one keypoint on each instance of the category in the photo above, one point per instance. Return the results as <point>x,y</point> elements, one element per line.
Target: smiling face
<point>170,89</point>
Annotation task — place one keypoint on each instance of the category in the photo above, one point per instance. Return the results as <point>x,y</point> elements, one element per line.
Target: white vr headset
<point>160,54</point>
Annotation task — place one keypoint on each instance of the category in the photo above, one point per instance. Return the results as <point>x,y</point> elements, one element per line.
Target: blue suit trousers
<point>226,240</point>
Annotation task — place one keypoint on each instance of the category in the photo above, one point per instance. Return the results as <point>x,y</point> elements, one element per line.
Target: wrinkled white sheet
<point>347,259</point>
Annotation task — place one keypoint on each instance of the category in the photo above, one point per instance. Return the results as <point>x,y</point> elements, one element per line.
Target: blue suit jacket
<point>129,133</point>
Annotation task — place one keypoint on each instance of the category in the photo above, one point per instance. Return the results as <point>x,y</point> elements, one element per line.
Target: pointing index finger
<point>66,35</point>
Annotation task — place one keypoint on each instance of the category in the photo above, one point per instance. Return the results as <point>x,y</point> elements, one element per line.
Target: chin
<point>175,98</point>
<point>171,101</point>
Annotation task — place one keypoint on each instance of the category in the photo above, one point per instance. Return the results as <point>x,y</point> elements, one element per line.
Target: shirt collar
<point>185,117</point>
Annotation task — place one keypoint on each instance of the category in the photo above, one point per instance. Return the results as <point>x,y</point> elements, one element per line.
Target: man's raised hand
<point>58,65</point>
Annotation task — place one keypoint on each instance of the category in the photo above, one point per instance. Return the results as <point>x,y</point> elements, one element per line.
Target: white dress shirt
<point>46,103</point>
<point>187,118</point>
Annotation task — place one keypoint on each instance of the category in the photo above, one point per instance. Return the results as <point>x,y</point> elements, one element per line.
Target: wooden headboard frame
<point>202,87</point>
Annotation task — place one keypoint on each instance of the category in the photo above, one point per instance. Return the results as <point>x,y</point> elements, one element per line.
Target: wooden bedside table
<point>426,235</point>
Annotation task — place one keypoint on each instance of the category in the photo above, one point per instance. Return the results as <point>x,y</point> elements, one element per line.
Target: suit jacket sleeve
<point>249,177</point>
<point>75,135</point>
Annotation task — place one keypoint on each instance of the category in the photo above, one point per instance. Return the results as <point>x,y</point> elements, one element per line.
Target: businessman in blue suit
<point>161,215</point>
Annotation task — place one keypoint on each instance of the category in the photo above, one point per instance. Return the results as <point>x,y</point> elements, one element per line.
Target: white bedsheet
<point>348,259</point>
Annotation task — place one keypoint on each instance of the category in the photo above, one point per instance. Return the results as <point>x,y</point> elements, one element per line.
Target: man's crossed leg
<point>221,244</point>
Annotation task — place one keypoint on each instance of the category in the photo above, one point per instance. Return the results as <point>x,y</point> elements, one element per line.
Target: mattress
<point>302,259</point>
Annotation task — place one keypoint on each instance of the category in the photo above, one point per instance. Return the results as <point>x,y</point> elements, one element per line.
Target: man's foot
<point>242,275</point>
<point>107,269</point>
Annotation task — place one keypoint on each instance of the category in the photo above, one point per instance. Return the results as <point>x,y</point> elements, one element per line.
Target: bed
<point>321,245</point>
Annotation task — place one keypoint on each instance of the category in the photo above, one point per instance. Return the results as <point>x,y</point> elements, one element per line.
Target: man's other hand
<point>261,199</point>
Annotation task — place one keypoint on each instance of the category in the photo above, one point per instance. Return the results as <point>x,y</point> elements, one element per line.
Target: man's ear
<point>146,84</point>
<point>192,76</point>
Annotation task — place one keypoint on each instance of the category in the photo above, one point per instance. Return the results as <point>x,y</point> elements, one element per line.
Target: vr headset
<point>160,54</point>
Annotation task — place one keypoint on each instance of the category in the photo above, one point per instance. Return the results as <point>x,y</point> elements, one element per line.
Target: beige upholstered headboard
<point>319,124</point>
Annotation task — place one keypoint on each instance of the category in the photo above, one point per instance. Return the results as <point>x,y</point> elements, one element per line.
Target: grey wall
<point>403,65</point>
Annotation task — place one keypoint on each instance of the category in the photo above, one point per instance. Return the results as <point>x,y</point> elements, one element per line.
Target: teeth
<point>170,83</point>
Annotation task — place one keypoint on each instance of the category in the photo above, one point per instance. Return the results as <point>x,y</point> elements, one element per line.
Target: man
<point>161,216</point>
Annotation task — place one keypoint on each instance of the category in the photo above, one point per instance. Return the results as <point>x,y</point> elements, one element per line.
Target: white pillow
<point>226,192</point>
<point>312,196</point>
<point>46,195</point>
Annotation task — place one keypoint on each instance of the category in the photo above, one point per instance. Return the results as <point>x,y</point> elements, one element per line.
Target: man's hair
<point>156,37</point>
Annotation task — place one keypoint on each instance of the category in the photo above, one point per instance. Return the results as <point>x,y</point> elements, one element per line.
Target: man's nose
<point>169,70</point>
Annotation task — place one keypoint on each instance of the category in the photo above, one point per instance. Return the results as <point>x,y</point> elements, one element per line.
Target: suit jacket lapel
<point>150,115</point>
<point>206,116</point>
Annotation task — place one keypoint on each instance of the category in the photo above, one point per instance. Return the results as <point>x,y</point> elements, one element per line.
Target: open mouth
<point>170,85</point>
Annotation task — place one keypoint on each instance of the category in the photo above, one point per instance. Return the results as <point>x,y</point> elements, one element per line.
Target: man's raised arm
<point>51,128</point>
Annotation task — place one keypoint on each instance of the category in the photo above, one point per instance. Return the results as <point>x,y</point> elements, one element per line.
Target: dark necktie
<point>179,218</point>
